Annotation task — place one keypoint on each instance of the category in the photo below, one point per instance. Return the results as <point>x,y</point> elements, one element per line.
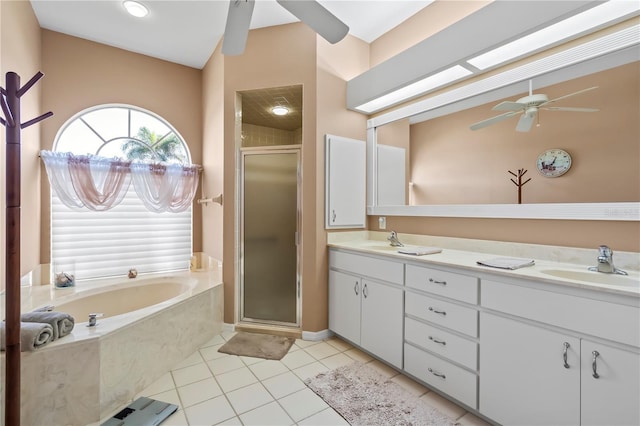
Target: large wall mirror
<point>426,161</point>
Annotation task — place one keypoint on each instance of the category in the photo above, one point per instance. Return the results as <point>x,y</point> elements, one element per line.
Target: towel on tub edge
<point>62,323</point>
<point>32,335</point>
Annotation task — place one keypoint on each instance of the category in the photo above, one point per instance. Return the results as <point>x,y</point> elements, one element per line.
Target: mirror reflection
<point>444,161</point>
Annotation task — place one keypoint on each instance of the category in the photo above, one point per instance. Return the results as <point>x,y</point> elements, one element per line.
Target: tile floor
<point>212,388</point>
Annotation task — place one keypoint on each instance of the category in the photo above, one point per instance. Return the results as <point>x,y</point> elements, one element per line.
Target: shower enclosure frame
<point>280,149</point>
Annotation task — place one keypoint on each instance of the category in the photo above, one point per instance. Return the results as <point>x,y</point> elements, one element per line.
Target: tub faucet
<point>93,319</point>
<point>605,262</point>
<point>393,240</point>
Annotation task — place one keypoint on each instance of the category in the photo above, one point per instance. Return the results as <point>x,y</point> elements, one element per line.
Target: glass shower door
<point>269,257</point>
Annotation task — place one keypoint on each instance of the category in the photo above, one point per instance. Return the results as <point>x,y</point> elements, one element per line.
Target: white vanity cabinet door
<point>381,321</point>
<point>614,397</point>
<point>523,379</point>
<point>345,186</point>
<point>344,305</point>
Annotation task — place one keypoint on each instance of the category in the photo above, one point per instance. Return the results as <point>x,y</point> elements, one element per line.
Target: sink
<point>594,277</point>
<point>381,247</point>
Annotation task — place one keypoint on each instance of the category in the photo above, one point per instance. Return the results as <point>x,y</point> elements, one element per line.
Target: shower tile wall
<point>255,136</point>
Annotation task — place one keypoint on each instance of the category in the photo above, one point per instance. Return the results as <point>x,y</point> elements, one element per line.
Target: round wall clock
<point>553,163</point>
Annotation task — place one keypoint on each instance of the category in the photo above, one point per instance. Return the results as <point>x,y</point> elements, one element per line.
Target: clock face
<point>553,163</point>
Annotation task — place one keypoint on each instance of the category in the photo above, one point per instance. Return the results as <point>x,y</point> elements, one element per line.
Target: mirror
<point>430,162</point>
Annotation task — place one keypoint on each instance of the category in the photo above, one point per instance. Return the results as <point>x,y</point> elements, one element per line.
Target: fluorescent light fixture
<point>419,87</point>
<point>557,32</point>
<point>135,9</point>
<point>280,110</point>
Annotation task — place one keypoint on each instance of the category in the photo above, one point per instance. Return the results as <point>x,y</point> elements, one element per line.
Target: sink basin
<point>594,277</point>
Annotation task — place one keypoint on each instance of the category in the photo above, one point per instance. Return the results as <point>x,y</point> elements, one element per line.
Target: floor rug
<point>258,345</point>
<point>365,397</point>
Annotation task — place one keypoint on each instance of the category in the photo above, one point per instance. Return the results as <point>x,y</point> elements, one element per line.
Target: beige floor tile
<point>225,364</point>
<point>383,369</point>
<point>196,392</point>
<point>211,352</point>
<point>443,405</point>
<point>321,350</point>
<point>409,384</point>
<point>268,368</point>
<point>338,360</point>
<point>250,360</point>
<point>216,340</point>
<point>163,384</point>
<point>193,373</point>
<point>358,355</point>
<point>192,359</point>
<point>270,414</point>
<point>209,412</point>
<point>283,384</point>
<point>249,397</point>
<point>176,419</point>
<point>471,420</point>
<point>302,404</point>
<point>310,370</point>
<point>234,421</point>
<point>236,379</point>
<point>325,417</point>
<point>339,344</point>
<point>297,359</point>
<point>226,335</point>
<point>170,396</point>
<point>305,343</point>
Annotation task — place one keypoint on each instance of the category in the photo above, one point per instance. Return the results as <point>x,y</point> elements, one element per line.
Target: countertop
<point>467,260</point>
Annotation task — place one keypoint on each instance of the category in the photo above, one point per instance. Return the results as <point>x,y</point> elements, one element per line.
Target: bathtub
<point>149,324</point>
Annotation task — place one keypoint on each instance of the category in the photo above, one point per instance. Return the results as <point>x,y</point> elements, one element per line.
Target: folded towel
<point>32,335</point>
<point>61,322</point>
<point>419,251</point>
<point>506,262</point>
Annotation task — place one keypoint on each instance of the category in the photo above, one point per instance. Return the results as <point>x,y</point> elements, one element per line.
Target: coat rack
<point>10,103</point>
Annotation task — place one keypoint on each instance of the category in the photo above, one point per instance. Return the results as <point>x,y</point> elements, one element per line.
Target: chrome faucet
<point>605,262</point>
<point>393,238</point>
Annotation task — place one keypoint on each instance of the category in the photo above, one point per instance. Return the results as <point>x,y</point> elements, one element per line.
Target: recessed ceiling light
<point>280,110</point>
<point>135,9</point>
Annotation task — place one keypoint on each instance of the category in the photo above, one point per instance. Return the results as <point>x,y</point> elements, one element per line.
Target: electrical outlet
<point>382,222</point>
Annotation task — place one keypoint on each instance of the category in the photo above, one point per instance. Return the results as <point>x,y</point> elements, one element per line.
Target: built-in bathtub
<point>149,324</point>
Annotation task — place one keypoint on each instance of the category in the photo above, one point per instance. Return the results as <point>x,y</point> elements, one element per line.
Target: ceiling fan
<point>310,12</point>
<point>529,107</point>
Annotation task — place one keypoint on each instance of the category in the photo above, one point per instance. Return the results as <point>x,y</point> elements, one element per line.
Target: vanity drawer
<point>442,375</point>
<point>448,284</point>
<point>380,269</point>
<point>450,315</point>
<point>436,340</point>
<point>620,323</point>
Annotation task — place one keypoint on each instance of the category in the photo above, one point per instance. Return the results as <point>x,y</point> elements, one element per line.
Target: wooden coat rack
<point>10,103</point>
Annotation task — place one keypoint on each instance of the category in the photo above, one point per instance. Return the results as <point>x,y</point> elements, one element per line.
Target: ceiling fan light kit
<point>310,12</point>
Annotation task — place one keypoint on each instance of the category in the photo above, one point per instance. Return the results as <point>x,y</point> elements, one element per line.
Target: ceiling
<point>257,105</point>
<point>187,32</point>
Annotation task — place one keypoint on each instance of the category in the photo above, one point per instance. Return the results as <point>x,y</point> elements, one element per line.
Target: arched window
<point>92,244</point>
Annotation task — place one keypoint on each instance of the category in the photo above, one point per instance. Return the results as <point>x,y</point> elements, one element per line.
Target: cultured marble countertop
<point>466,260</point>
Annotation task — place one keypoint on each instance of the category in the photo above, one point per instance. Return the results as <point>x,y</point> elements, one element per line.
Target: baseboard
<point>228,328</point>
<point>316,336</point>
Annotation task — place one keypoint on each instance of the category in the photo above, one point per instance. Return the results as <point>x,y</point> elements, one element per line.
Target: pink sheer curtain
<point>165,187</point>
<point>100,183</point>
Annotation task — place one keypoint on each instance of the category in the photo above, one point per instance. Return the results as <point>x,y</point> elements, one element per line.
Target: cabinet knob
<point>594,364</point>
<point>434,340</point>
<point>436,311</point>
<point>564,354</point>
<point>431,280</point>
<point>435,373</point>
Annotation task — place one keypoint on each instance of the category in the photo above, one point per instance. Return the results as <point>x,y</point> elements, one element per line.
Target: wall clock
<point>553,162</point>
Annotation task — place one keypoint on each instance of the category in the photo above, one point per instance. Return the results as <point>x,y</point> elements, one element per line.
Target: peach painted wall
<point>81,74</point>
<point>20,51</point>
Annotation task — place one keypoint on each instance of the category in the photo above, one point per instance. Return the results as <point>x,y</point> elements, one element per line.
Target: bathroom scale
<point>142,412</point>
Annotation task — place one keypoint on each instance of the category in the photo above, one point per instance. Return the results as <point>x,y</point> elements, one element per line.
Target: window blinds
<point>92,244</point>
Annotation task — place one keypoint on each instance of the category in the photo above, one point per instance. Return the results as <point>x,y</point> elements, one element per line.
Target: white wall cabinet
<point>366,311</point>
<point>345,182</point>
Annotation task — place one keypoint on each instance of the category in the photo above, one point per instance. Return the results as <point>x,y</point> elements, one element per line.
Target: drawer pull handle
<point>594,364</point>
<point>437,312</point>
<point>364,291</point>
<point>435,373</point>
<point>431,280</point>
<point>356,289</point>
<point>564,354</point>
<point>333,215</point>
<point>441,342</point>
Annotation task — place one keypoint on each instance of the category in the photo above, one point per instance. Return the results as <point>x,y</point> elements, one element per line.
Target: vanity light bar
<point>561,31</point>
<point>436,80</point>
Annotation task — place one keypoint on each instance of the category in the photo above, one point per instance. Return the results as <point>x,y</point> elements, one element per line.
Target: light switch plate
<point>382,222</point>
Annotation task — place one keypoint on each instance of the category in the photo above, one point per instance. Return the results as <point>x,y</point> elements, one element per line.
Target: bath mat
<point>258,345</point>
<point>365,397</point>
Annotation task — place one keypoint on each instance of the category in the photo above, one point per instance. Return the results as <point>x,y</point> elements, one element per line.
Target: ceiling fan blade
<point>526,121</point>
<point>569,95</point>
<point>318,18</point>
<point>493,120</point>
<point>572,109</point>
<point>508,106</point>
<point>237,27</point>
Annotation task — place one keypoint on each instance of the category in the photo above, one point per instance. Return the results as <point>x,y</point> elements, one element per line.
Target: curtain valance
<point>99,183</point>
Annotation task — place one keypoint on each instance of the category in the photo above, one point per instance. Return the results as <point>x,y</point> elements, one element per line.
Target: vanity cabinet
<point>538,367</point>
<point>366,303</point>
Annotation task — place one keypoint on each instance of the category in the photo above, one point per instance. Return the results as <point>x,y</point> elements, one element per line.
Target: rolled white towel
<point>32,335</point>
<point>61,322</point>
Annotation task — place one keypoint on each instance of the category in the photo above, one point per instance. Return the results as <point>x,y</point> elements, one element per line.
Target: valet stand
<point>10,103</point>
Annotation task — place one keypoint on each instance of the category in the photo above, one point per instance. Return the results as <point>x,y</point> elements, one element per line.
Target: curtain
<point>100,184</point>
